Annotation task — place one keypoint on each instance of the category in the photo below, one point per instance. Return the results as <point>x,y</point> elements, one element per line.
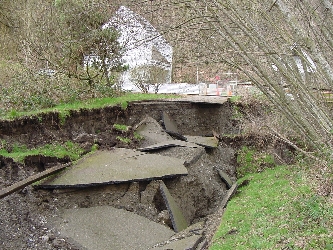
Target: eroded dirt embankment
<point>25,214</point>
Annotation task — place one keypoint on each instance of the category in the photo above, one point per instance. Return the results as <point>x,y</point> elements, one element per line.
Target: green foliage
<point>251,161</point>
<point>124,140</point>
<point>56,46</point>
<point>124,105</point>
<point>19,152</point>
<point>121,127</point>
<point>94,147</point>
<point>89,39</point>
<point>235,99</point>
<point>63,115</point>
<point>138,136</point>
<point>13,114</point>
<point>276,210</point>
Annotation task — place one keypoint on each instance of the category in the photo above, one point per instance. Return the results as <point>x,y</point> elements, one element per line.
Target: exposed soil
<point>25,215</point>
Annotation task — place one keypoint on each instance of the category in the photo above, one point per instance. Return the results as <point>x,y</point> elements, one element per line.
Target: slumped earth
<point>144,211</point>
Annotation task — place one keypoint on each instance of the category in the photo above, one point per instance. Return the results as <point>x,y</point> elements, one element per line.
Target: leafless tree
<point>148,77</point>
<point>284,47</point>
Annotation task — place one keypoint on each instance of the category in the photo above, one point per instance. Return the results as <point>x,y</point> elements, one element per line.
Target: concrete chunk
<point>228,196</point>
<point>117,166</point>
<point>178,220</point>
<point>169,123</point>
<point>187,243</point>
<point>106,227</point>
<point>152,132</point>
<point>208,142</point>
<point>225,178</point>
<point>167,144</point>
<point>171,127</point>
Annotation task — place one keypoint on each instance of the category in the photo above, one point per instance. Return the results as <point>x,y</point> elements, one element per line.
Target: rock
<point>45,238</point>
<point>59,243</point>
<point>164,218</point>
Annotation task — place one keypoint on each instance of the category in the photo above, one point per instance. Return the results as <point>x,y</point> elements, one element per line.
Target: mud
<point>25,215</point>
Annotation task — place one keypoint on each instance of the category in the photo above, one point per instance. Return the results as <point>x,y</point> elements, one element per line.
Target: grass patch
<point>68,149</point>
<point>277,210</point>
<point>64,108</point>
<point>252,161</point>
<point>235,99</point>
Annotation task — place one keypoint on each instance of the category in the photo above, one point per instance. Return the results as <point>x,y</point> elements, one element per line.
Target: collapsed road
<point>157,193</point>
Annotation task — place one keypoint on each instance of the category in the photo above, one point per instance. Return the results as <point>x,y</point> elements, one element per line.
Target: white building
<point>144,45</point>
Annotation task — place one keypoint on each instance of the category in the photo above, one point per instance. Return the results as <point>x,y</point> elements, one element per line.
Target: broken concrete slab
<point>187,243</point>
<point>189,155</point>
<point>189,238</point>
<point>178,220</point>
<point>152,132</point>
<point>169,123</point>
<point>208,142</point>
<point>176,135</point>
<point>229,194</point>
<point>225,178</point>
<point>116,166</point>
<point>171,127</point>
<point>106,227</point>
<point>147,196</point>
<point>167,144</point>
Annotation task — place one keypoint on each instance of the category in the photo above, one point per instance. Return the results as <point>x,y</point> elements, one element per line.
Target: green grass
<point>252,161</point>
<point>277,210</point>
<point>19,152</point>
<point>64,109</point>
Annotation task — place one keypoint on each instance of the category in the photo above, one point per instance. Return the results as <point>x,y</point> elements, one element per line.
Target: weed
<point>62,116</point>
<point>13,114</point>
<point>94,147</point>
<point>138,136</point>
<point>121,127</point>
<point>124,105</point>
<point>73,150</point>
<point>123,139</point>
<point>40,118</point>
